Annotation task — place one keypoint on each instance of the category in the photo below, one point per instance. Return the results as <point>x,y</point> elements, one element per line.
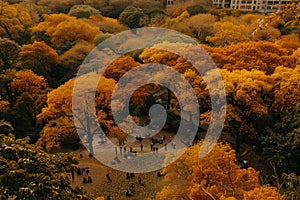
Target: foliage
<point>58,6</point>
<point>83,11</point>
<point>9,51</point>
<point>215,176</point>
<point>115,8</point>
<point>62,28</point>
<point>290,42</point>
<point>107,25</point>
<point>71,59</point>
<point>227,33</point>
<point>282,143</point>
<point>286,88</point>
<point>101,37</point>
<point>263,56</point>
<point>41,59</point>
<point>148,4</point>
<point>292,184</point>
<point>28,95</point>
<point>15,21</point>
<point>119,67</point>
<point>196,9</point>
<point>132,17</point>
<point>266,32</point>
<point>29,173</point>
<point>179,24</point>
<point>286,18</point>
<point>225,12</point>
<point>202,25</point>
<point>59,130</point>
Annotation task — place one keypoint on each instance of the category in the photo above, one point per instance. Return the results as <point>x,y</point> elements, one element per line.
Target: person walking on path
<point>141,147</point>
<point>108,178</point>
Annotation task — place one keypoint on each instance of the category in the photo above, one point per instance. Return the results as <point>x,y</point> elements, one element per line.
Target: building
<point>265,6</point>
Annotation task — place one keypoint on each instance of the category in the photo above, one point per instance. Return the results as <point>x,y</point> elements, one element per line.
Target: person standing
<point>108,178</point>
<point>141,147</point>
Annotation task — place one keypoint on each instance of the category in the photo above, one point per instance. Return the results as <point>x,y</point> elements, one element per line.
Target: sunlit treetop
<point>63,28</point>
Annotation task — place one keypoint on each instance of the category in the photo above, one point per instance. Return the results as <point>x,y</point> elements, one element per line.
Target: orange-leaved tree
<point>41,59</point>
<point>263,56</point>
<point>59,129</point>
<point>215,176</point>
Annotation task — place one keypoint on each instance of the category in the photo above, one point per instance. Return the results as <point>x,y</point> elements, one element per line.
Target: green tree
<point>132,17</point>
<point>29,173</point>
<point>292,184</point>
<point>101,37</point>
<point>196,9</point>
<point>281,141</point>
<point>9,51</point>
<point>83,11</point>
<point>114,8</point>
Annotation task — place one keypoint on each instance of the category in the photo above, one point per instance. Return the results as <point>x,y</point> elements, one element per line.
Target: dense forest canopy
<point>44,42</point>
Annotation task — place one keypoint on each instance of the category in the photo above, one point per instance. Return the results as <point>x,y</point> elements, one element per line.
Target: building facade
<point>265,6</point>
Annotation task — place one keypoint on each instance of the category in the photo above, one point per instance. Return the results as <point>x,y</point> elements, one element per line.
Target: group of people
<point>85,171</point>
<point>130,190</point>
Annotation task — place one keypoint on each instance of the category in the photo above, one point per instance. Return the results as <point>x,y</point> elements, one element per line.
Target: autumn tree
<point>215,176</point>
<point>62,28</point>
<point>266,32</point>
<point>290,42</point>
<point>71,59</point>
<point>41,59</point>
<point>119,67</point>
<point>286,89</point>
<point>202,25</point>
<point>227,33</point>
<point>29,173</point>
<point>179,24</point>
<point>286,18</point>
<point>29,96</point>
<point>107,25</point>
<point>15,22</point>
<point>263,56</point>
<point>59,129</point>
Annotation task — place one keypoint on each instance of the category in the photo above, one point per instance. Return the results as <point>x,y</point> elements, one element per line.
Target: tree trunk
<point>237,142</point>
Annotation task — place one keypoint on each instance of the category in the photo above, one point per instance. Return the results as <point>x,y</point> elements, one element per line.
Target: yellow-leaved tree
<point>62,28</point>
